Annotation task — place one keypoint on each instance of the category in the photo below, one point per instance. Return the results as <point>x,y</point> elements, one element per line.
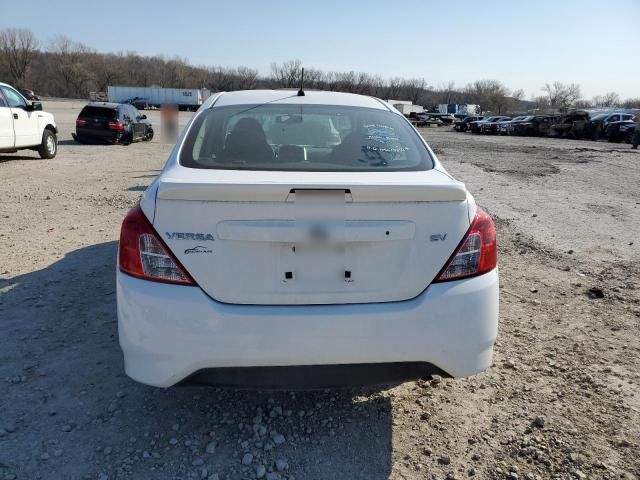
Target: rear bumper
<point>168,332</point>
<point>93,135</point>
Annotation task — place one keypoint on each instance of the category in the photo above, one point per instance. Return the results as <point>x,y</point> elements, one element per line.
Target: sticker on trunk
<point>197,249</point>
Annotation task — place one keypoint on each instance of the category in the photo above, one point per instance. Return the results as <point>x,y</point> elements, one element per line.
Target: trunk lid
<point>300,238</point>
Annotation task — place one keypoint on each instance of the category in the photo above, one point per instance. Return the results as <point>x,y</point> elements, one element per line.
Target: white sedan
<point>305,241</point>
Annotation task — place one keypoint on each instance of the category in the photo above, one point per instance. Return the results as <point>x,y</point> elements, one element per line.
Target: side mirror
<point>143,117</point>
<point>33,107</point>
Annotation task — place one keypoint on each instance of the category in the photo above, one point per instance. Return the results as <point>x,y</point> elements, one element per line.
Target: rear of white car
<point>305,241</point>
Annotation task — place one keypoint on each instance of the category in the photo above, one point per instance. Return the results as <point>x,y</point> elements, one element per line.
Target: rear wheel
<point>149,136</point>
<point>629,137</point>
<point>127,139</point>
<point>49,146</point>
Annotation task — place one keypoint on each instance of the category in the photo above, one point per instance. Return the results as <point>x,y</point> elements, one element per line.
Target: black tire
<point>127,139</point>
<point>49,146</point>
<point>628,138</point>
<point>149,136</point>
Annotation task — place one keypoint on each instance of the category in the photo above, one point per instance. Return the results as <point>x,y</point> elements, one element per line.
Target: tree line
<point>63,67</point>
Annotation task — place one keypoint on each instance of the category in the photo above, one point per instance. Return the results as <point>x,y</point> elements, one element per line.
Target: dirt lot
<point>561,401</point>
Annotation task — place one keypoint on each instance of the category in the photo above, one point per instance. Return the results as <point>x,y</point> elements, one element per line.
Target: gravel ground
<point>561,401</point>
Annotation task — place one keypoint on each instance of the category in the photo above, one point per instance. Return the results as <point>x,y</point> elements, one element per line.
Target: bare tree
<point>518,94</point>
<point>394,88</point>
<point>446,93</point>
<point>540,102</point>
<point>378,87</point>
<point>72,64</point>
<point>106,70</point>
<point>413,89</point>
<point>562,95</point>
<point>247,78</point>
<point>610,99</point>
<point>17,48</point>
<point>631,103</point>
<point>490,94</point>
<point>287,75</point>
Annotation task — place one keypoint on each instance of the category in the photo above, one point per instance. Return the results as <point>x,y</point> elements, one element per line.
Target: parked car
<point>462,125</point>
<point>491,127</point>
<point>476,126</point>
<point>597,125</point>
<point>24,125</point>
<point>505,127</point>
<point>621,131</point>
<point>139,103</point>
<point>105,122</point>
<point>228,275</point>
<point>571,125</point>
<point>445,118</point>
<point>535,126</point>
<point>28,94</point>
<point>426,120</point>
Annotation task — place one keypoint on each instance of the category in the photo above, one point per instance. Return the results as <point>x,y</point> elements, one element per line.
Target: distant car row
<point>613,126</point>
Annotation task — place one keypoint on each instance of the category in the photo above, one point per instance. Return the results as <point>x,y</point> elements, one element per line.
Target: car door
<point>130,119</point>
<point>26,125</point>
<point>139,126</point>
<point>612,118</point>
<point>6,125</point>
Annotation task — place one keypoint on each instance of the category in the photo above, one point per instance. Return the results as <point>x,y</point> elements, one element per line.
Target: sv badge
<point>438,237</point>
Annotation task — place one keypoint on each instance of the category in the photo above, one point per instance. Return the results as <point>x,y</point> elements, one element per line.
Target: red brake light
<point>119,126</point>
<point>477,253</point>
<point>80,123</point>
<point>143,254</point>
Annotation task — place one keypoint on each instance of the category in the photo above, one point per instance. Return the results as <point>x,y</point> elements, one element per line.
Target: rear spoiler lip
<point>174,189</point>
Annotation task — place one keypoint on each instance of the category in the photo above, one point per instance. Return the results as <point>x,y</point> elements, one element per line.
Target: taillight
<point>118,126</point>
<point>80,123</point>
<point>143,254</point>
<point>476,254</point>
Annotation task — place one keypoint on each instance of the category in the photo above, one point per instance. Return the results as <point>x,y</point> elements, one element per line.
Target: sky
<point>523,44</point>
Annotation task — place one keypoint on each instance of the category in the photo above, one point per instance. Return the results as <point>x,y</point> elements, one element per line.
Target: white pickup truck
<point>23,125</point>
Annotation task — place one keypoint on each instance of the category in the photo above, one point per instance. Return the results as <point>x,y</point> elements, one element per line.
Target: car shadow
<point>66,385</point>
<point>12,157</point>
<point>85,143</point>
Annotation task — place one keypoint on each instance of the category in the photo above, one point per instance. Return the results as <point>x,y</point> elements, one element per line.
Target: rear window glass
<point>293,137</point>
<point>98,112</point>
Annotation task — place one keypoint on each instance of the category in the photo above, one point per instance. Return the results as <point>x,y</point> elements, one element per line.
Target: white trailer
<point>458,108</point>
<point>405,107</point>
<point>183,98</point>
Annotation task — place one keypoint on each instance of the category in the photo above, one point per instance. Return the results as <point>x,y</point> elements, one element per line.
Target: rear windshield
<point>98,112</point>
<point>292,137</point>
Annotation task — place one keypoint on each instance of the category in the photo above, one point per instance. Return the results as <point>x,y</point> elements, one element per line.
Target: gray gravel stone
<point>260,471</point>
<point>247,459</point>
<point>539,421</point>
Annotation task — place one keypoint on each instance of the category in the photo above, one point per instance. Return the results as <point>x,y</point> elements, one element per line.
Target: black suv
<point>103,122</point>
<point>597,127</point>
<point>462,125</point>
<point>536,126</point>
